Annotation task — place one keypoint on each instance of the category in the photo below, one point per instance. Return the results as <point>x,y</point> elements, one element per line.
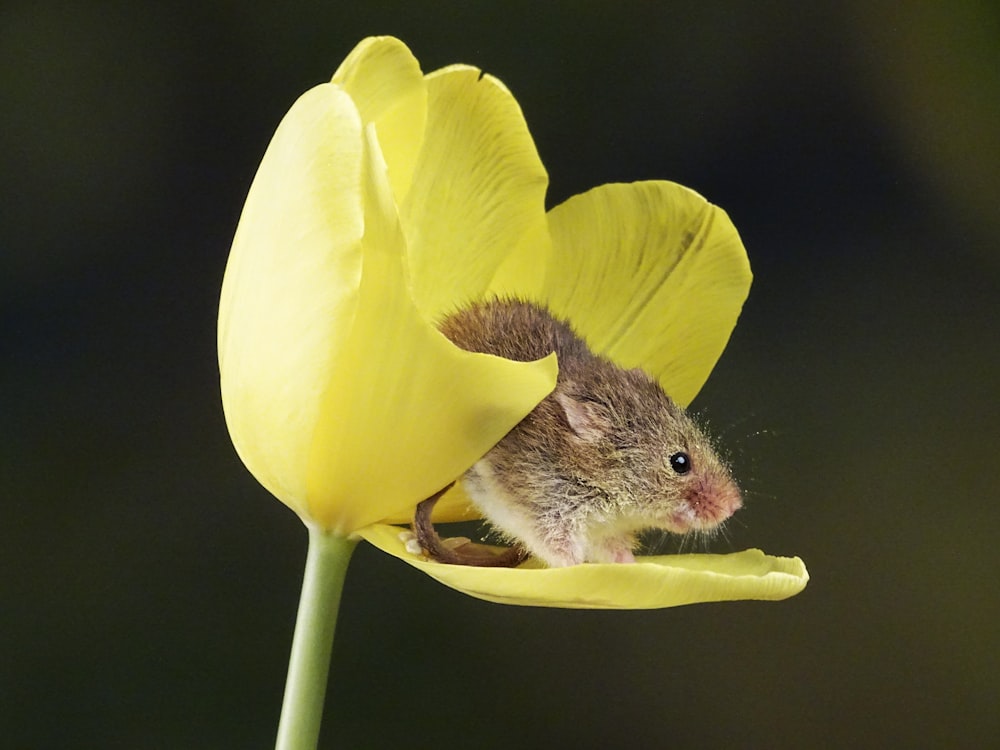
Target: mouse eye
<point>680,463</point>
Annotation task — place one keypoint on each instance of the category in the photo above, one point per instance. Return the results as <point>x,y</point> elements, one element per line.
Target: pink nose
<point>714,501</point>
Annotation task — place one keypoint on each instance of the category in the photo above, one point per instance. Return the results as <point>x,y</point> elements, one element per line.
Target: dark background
<point>149,585</point>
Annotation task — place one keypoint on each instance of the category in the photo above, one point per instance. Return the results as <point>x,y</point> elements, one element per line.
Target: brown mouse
<point>606,455</point>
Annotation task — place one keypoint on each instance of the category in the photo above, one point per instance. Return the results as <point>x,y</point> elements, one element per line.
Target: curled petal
<point>406,411</point>
<point>478,188</point>
<point>652,275</point>
<point>650,583</point>
<point>340,397</point>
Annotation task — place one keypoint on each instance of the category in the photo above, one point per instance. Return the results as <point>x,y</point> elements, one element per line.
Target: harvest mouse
<point>606,455</point>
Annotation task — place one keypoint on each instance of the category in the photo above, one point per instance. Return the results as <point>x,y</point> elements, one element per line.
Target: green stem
<point>309,665</point>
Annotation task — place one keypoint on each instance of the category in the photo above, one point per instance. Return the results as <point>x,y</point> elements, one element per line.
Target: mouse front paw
<point>613,550</point>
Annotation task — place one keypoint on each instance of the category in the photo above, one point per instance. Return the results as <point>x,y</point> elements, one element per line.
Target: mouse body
<point>603,457</point>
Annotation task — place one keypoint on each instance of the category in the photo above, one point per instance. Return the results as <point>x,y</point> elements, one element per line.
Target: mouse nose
<point>712,500</point>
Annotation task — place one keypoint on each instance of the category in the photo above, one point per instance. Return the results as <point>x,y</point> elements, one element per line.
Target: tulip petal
<point>478,188</point>
<point>650,583</point>
<point>299,238</point>
<point>652,275</point>
<point>406,411</point>
<point>385,81</point>
<point>340,397</point>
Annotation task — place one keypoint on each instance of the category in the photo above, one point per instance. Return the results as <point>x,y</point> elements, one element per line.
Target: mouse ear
<point>588,419</point>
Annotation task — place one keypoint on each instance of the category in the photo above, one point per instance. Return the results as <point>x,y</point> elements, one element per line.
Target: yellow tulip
<point>388,198</point>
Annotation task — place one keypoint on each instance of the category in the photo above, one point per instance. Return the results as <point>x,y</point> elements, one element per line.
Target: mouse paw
<point>613,551</point>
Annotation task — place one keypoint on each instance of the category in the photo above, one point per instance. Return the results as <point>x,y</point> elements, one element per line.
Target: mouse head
<point>649,454</point>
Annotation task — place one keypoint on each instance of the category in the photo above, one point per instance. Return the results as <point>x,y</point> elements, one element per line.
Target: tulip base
<point>312,644</point>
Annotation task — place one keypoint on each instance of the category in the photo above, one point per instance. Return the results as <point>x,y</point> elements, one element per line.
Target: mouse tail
<point>465,552</point>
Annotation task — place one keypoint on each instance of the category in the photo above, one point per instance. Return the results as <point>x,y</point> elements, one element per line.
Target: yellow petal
<point>340,398</point>
<point>650,583</point>
<point>479,186</point>
<point>652,275</point>
<point>406,411</point>
<point>290,289</point>
<point>385,81</point>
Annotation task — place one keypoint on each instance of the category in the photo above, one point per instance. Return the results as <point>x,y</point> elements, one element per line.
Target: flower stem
<point>309,665</point>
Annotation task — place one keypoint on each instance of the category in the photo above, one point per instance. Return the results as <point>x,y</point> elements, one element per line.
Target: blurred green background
<point>149,585</point>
